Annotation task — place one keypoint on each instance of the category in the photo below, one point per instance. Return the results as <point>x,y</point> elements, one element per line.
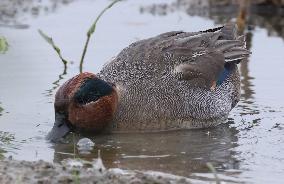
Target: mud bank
<point>73,171</point>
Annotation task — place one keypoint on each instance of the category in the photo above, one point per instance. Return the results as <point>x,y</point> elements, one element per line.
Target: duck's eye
<point>91,90</point>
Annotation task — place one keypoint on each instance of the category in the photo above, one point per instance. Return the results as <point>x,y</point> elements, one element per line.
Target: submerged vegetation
<point>3,44</point>
<point>6,140</point>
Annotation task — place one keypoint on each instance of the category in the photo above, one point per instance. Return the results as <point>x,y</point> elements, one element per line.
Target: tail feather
<point>224,45</point>
<point>232,45</point>
<point>236,54</point>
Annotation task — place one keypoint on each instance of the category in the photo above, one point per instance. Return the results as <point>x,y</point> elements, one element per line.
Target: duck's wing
<point>205,54</point>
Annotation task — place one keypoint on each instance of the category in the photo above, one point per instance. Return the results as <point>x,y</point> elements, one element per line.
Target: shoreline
<point>78,171</point>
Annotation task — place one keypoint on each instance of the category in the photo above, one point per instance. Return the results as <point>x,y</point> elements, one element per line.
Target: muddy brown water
<point>247,149</point>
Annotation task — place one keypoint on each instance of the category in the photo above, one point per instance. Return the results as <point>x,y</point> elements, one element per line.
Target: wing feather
<point>208,51</point>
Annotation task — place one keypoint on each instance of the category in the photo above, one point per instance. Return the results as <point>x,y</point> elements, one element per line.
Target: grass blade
<point>51,42</point>
<point>92,29</point>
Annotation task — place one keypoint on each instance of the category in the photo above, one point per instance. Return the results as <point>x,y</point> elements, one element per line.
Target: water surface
<point>249,148</point>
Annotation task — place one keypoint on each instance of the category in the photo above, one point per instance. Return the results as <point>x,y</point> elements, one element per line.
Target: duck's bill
<point>59,130</point>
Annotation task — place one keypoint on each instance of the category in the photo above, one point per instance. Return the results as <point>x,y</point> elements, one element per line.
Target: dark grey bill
<point>60,128</point>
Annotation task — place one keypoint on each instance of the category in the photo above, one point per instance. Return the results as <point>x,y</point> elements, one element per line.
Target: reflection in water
<point>14,12</point>
<point>56,84</point>
<point>181,152</point>
<point>221,12</point>
<point>246,80</point>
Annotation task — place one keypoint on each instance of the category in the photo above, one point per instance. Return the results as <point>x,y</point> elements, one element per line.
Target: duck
<point>174,81</point>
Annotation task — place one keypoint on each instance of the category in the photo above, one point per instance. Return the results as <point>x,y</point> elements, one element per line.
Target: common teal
<point>176,80</point>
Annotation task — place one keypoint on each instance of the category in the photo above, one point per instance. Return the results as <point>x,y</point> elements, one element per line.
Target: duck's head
<point>85,103</point>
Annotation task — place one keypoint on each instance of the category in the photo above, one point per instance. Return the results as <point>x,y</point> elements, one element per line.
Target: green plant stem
<point>92,30</point>
<point>213,170</point>
<point>51,42</point>
<point>84,52</point>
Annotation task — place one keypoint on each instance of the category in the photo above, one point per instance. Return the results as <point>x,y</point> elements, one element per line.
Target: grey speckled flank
<point>164,82</point>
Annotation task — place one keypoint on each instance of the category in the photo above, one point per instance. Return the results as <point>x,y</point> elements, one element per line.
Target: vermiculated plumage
<point>164,82</point>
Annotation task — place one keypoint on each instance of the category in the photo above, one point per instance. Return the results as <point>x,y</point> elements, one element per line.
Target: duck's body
<point>152,95</point>
<point>176,80</point>
<point>161,104</point>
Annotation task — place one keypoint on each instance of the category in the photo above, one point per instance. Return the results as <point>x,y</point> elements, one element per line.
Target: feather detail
<point>208,51</point>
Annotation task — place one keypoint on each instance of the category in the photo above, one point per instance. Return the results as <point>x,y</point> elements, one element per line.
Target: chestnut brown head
<point>83,103</point>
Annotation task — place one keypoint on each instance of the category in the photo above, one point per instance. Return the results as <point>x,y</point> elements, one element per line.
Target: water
<point>249,148</point>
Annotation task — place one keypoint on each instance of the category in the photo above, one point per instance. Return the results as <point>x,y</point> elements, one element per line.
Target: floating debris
<point>85,145</point>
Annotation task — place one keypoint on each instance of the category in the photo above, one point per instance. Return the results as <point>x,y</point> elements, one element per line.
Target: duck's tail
<point>229,43</point>
<point>232,45</point>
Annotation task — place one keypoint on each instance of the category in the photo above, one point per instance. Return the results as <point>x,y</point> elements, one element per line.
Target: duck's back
<point>165,82</point>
